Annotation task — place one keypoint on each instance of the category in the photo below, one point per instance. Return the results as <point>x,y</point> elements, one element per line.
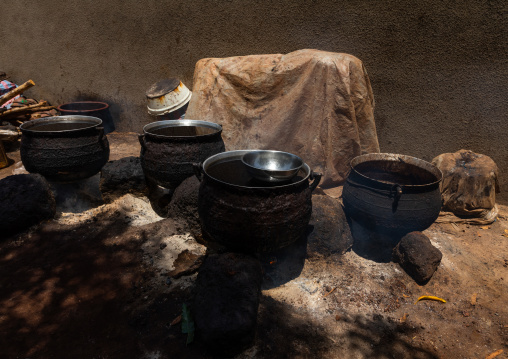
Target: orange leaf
<point>494,354</point>
<point>176,320</point>
<point>473,299</point>
<point>330,292</point>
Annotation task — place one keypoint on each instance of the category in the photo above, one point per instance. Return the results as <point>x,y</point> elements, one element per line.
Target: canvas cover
<point>469,187</point>
<point>318,105</point>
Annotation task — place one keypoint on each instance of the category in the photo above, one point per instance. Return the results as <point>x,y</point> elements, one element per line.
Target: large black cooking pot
<point>90,108</point>
<point>249,216</point>
<point>64,148</point>
<point>169,148</point>
<point>392,194</point>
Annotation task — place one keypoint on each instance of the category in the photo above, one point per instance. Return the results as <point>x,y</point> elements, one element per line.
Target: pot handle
<point>141,138</point>
<point>198,170</point>
<point>396,192</point>
<point>316,178</point>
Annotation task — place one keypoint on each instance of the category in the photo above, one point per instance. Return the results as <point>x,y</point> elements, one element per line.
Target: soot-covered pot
<point>64,148</point>
<point>392,194</point>
<point>245,215</point>
<point>169,148</point>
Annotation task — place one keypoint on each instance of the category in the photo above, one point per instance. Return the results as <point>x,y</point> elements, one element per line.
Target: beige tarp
<point>469,187</point>
<point>318,105</point>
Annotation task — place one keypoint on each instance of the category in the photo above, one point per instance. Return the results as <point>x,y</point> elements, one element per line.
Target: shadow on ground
<point>285,332</point>
<point>83,291</point>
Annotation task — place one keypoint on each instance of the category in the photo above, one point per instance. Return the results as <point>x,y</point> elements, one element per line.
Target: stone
<point>121,177</point>
<point>417,256</point>
<point>184,204</point>
<point>330,230</point>
<point>25,200</point>
<point>228,289</point>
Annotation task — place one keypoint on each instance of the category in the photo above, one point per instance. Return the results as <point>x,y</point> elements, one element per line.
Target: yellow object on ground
<point>430,297</point>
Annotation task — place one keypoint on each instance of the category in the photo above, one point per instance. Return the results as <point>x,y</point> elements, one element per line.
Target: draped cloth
<point>318,105</point>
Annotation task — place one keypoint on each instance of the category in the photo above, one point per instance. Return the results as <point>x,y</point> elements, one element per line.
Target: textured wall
<point>438,69</point>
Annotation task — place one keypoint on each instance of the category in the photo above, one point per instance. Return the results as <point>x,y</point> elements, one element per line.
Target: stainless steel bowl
<point>272,166</point>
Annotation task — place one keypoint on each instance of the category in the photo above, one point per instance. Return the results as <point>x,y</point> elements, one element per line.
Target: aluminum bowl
<point>272,166</point>
<point>167,96</point>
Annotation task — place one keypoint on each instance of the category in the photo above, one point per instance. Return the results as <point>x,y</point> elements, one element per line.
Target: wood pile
<point>23,109</point>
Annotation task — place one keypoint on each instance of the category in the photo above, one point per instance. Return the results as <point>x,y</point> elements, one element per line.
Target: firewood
<point>43,106</point>
<point>8,135</point>
<point>15,92</point>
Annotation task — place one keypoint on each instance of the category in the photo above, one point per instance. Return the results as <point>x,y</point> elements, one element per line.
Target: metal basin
<point>272,166</point>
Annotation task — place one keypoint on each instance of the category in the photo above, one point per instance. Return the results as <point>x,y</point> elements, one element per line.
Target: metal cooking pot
<point>64,148</point>
<point>392,194</point>
<point>169,148</point>
<point>90,108</point>
<point>250,216</point>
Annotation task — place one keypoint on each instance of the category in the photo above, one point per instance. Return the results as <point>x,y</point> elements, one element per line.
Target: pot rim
<point>181,123</point>
<point>26,127</point>
<point>238,154</point>
<point>104,106</point>
<point>395,157</point>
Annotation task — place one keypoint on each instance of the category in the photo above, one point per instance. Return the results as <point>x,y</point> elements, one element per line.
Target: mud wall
<point>438,69</point>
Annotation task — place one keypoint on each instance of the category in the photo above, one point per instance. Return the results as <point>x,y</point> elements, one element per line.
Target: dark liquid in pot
<point>235,173</point>
<point>181,131</point>
<point>396,172</point>
<point>61,126</point>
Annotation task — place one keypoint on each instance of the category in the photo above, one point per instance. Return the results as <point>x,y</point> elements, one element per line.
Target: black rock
<point>184,204</point>
<point>121,177</point>
<point>330,230</point>
<point>25,200</point>
<point>225,308</point>
<point>417,256</point>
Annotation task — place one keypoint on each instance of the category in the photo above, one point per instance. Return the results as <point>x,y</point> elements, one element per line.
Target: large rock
<point>121,177</point>
<point>25,200</point>
<point>184,204</point>
<point>330,230</point>
<point>417,256</point>
<point>225,309</point>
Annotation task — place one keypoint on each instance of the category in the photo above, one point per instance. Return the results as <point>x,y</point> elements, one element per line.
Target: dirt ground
<point>94,283</point>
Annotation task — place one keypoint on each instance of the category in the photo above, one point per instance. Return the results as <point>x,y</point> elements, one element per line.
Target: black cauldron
<point>169,148</point>
<point>90,108</point>
<point>392,194</point>
<point>237,211</point>
<point>64,148</point>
